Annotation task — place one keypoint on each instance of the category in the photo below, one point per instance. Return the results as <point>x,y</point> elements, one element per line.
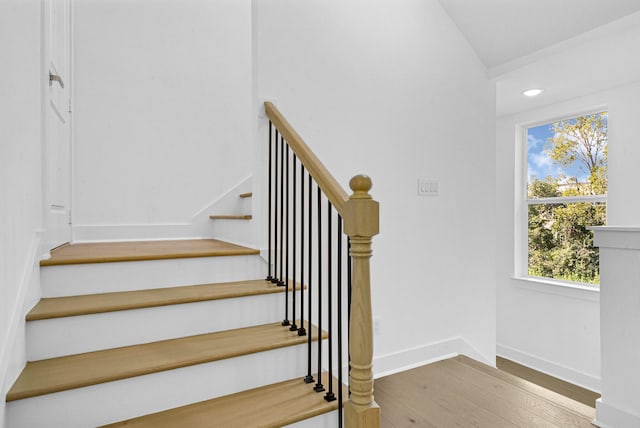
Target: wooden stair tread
<point>529,387</point>
<point>246,195</point>
<point>231,217</point>
<point>104,252</point>
<point>75,371</point>
<point>58,307</point>
<point>270,406</point>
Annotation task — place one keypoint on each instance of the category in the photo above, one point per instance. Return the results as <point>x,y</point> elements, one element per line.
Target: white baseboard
<point>131,232</point>
<point>608,416</point>
<point>385,365</point>
<point>559,371</point>
<point>13,350</point>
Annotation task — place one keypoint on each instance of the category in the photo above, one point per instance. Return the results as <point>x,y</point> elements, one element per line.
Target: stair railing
<point>292,220</point>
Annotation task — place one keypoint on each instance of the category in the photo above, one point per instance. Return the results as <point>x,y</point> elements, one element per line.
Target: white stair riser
<point>74,335</point>
<point>124,399</point>
<point>238,231</point>
<point>326,420</point>
<point>94,278</point>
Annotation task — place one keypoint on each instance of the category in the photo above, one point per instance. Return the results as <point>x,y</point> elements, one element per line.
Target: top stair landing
<point>107,252</point>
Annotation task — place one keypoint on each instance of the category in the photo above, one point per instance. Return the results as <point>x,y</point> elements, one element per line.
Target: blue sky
<point>539,164</point>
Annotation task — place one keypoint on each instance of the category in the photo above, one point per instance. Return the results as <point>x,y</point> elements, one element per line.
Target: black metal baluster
<point>269,277</point>
<point>329,396</point>
<point>319,387</point>
<point>339,289</point>
<point>276,172</point>
<point>302,331</point>
<point>285,278</point>
<point>349,286</point>
<point>281,277</point>
<point>349,282</point>
<point>293,327</point>
<point>309,377</point>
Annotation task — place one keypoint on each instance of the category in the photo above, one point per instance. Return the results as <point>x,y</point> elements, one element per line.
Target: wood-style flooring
<point>461,392</point>
<point>561,387</point>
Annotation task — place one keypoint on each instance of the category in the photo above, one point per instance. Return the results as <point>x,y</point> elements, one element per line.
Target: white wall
<point>551,328</point>
<point>162,111</point>
<point>624,156</point>
<point>20,177</point>
<point>391,89</point>
<point>619,405</point>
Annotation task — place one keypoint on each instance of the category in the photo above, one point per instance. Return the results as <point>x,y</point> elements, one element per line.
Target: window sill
<point>560,288</point>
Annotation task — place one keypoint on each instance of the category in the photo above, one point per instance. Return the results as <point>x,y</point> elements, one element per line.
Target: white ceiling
<point>501,31</point>
<point>570,48</point>
<point>600,59</point>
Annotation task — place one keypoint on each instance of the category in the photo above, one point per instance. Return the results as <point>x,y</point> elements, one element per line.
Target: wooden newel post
<point>361,222</point>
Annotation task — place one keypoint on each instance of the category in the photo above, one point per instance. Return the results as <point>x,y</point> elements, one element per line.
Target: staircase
<point>189,333</point>
<point>135,328</point>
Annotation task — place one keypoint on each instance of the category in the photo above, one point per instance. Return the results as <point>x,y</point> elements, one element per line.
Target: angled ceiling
<point>502,31</point>
<point>570,48</point>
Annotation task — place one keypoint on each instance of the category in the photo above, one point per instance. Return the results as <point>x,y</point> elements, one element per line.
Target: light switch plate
<point>428,187</point>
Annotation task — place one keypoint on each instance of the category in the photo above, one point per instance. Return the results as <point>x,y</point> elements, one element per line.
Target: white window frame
<point>522,202</point>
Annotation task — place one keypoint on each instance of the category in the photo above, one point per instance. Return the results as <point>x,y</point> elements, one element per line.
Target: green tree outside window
<point>559,244</point>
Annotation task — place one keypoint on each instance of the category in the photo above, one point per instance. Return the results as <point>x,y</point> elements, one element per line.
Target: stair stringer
<point>241,232</point>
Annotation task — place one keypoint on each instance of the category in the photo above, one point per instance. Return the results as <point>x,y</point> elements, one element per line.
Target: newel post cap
<point>360,184</point>
<point>361,212</point>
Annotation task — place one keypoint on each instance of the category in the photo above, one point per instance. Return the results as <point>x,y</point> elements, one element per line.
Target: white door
<point>57,117</point>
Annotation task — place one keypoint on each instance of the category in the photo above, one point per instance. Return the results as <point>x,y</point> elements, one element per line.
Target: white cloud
<point>541,166</point>
<point>534,142</point>
<point>541,161</point>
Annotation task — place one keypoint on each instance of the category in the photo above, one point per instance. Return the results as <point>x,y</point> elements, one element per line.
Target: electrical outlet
<point>428,187</point>
<point>376,326</point>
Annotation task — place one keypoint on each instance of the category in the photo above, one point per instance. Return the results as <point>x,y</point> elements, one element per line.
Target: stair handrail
<point>361,222</point>
<point>329,185</point>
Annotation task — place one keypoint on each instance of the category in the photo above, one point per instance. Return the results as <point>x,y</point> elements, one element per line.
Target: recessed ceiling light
<point>532,92</point>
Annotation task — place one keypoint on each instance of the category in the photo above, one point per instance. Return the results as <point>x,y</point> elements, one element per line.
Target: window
<point>566,192</point>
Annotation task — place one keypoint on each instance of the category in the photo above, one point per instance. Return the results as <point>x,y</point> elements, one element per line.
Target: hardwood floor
<point>577,393</point>
<point>460,392</point>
